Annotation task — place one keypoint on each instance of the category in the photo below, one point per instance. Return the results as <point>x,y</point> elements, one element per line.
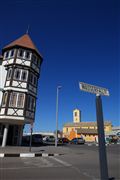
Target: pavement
<point>24,151</point>
<point>21,151</point>
<point>77,162</point>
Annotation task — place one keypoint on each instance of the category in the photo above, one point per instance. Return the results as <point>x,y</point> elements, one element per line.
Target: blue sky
<point>79,42</point>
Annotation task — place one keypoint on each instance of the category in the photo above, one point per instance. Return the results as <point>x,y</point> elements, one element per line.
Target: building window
<point>20,102</point>
<point>35,80</point>
<point>31,103</point>
<point>4,99</point>
<point>21,53</point>
<point>7,54</point>
<point>27,54</point>
<point>17,74</point>
<point>13,99</point>
<point>9,74</point>
<point>39,62</point>
<point>34,59</point>
<point>75,113</point>
<point>31,78</point>
<point>28,102</point>
<point>12,53</point>
<point>24,75</point>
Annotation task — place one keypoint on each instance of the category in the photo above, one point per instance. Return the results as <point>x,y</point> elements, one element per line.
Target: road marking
<point>60,161</point>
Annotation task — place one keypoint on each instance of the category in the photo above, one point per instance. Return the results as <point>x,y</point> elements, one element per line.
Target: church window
<point>20,102</point>
<point>75,113</point>
<point>13,99</point>
<point>24,75</point>
<point>4,99</point>
<point>9,74</point>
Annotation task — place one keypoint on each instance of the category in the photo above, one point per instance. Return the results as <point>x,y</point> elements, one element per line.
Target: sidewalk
<point>16,151</point>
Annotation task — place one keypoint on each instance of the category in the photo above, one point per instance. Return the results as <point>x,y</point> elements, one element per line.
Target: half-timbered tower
<point>22,62</point>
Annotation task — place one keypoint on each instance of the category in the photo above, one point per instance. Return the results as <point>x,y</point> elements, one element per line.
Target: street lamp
<point>58,88</point>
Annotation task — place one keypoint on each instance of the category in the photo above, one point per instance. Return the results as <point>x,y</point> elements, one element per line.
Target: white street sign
<point>93,89</point>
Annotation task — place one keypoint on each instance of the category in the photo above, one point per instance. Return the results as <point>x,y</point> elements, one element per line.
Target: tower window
<point>28,102</point>
<point>20,102</point>
<point>9,74</point>
<point>31,103</point>
<point>4,99</point>
<point>24,75</point>
<point>75,113</point>
<point>17,74</point>
<point>35,80</point>
<point>7,54</point>
<point>27,54</point>
<point>12,53</point>
<point>13,99</point>
<point>34,58</point>
<point>31,78</point>
<point>21,53</point>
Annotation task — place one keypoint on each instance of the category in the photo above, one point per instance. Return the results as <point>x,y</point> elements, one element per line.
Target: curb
<point>2,155</point>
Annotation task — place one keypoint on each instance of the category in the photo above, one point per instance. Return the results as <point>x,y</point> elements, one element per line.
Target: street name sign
<point>93,89</point>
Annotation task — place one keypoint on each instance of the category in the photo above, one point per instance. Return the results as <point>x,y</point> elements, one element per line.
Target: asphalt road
<point>81,163</point>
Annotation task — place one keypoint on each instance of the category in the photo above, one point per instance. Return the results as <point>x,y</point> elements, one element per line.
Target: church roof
<point>23,41</point>
<point>87,131</point>
<point>85,124</point>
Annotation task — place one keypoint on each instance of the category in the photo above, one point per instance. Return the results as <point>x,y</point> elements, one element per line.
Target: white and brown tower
<point>22,61</point>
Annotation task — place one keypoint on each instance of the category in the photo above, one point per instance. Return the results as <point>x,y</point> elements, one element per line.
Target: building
<point>19,72</point>
<point>88,130</point>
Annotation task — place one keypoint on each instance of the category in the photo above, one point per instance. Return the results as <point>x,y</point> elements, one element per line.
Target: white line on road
<point>60,161</point>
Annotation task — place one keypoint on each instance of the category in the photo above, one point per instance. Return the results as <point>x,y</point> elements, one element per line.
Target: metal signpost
<point>31,130</point>
<point>101,135</point>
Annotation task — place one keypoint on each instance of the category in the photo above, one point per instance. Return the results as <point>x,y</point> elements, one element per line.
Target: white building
<point>19,72</point>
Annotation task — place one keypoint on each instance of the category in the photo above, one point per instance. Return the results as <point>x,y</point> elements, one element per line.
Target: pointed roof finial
<point>28,29</point>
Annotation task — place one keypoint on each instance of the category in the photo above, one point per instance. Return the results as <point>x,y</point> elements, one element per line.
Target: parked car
<point>49,140</point>
<point>63,140</point>
<point>36,139</point>
<point>77,141</point>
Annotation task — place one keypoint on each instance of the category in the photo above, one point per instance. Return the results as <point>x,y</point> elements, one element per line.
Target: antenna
<point>28,29</point>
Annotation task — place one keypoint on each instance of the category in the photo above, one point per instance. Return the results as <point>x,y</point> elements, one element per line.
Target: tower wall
<point>76,116</point>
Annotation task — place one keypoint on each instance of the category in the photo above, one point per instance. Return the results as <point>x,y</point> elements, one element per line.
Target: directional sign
<point>93,89</point>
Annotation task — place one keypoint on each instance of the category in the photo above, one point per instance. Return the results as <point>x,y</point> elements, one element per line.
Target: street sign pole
<point>101,139</point>
<point>100,124</point>
<point>31,130</point>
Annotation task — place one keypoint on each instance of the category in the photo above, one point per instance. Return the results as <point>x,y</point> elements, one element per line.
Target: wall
<point>3,73</point>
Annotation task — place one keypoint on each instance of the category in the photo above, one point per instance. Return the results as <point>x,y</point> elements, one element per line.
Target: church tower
<point>22,62</point>
<point>76,116</point>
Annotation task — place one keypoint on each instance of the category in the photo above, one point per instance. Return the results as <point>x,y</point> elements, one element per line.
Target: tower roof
<point>24,41</point>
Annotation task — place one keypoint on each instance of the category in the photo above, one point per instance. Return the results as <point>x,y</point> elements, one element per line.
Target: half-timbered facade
<point>22,62</point>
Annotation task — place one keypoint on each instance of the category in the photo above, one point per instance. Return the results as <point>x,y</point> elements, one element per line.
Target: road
<point>80,163</point>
